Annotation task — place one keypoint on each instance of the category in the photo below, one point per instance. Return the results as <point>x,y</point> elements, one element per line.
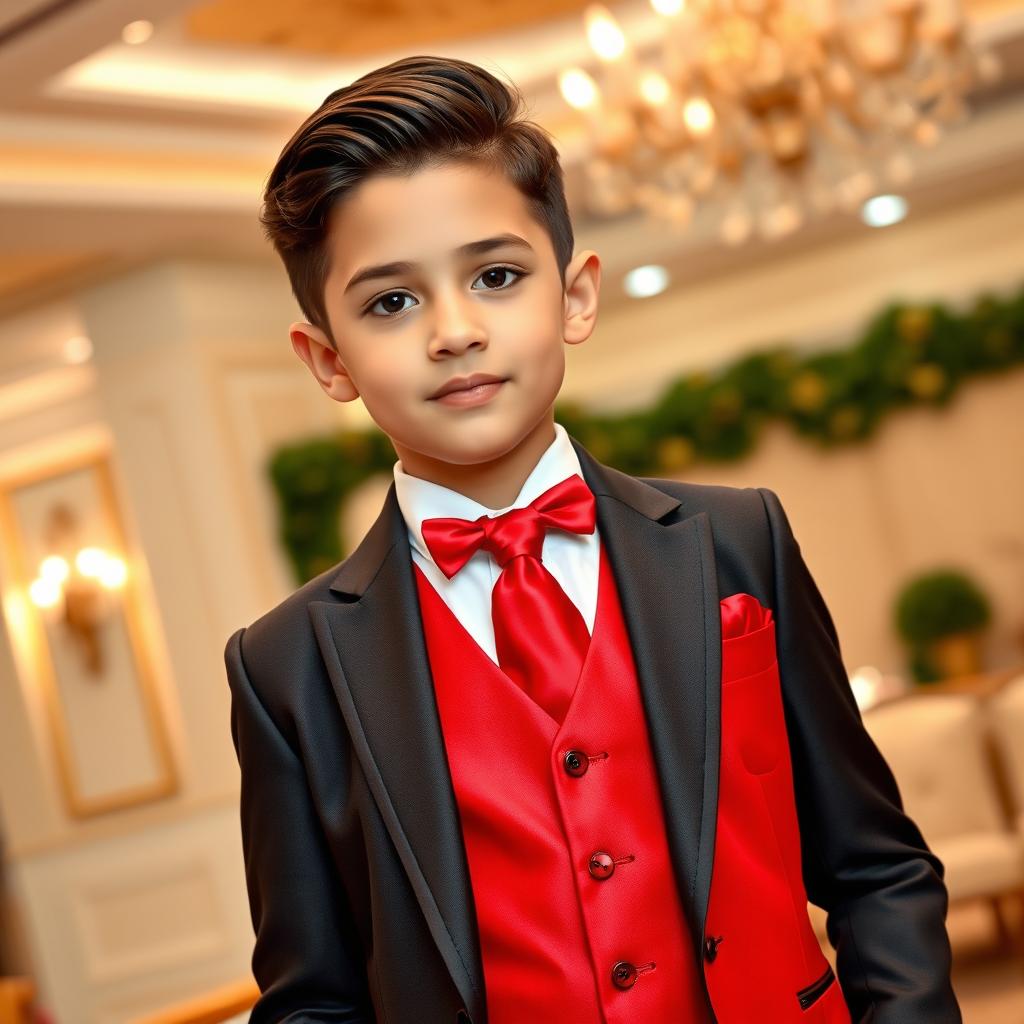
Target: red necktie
<point>540,635</point>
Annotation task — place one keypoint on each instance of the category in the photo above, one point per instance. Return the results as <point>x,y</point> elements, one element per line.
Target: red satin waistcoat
<point>770,965</point>
<point>579,917</point>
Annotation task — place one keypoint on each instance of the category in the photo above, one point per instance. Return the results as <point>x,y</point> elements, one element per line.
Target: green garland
<point>909,355</point>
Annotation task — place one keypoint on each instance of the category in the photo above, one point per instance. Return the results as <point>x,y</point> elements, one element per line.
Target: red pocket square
<point>748,636</point>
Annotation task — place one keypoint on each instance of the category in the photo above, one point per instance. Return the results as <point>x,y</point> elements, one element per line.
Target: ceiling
<point>350,29</point>
<point>113,155</point>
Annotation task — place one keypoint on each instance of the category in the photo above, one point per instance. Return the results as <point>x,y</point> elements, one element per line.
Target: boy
<point>553,743</point>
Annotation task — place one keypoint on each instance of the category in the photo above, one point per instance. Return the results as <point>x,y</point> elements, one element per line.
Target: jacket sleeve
<point>307,958</point>
<point>865,861</point>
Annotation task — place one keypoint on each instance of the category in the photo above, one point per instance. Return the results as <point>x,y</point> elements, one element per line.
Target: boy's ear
<point>314,348</point>
<point>582,285</point>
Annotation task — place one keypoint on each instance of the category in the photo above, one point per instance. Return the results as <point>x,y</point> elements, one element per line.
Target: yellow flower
<point>926,380</point>
<point>914,324</point>
<point>807,391</point>
<point>675,452</point>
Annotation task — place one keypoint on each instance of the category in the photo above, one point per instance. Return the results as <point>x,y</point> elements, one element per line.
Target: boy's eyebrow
<point>478,248</point>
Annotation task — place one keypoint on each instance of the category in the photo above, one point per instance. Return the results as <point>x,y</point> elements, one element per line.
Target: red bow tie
<point>539,634</point>
<point>568,505</point>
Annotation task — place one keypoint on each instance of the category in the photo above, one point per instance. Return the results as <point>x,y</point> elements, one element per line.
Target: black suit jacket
<point>355,867</point>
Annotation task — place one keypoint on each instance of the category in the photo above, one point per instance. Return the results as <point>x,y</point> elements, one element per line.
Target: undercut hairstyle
<point>414,113</point>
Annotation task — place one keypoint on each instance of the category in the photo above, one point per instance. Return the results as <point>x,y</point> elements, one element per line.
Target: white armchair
<point>1006,715</point>
<point>938,749</point>
<point>1006,722</point>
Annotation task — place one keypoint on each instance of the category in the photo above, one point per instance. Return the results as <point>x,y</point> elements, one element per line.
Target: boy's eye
<point>387,300</point>
<point>502,273</point>
<point>497,278</point>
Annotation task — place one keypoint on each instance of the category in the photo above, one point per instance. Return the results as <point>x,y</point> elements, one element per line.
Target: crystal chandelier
<point>768,112</point>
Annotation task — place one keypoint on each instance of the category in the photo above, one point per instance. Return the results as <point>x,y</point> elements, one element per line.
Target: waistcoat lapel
<point>372,643</point>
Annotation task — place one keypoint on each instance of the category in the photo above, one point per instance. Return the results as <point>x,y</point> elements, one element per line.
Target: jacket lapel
<point>372,643</point>
<point>666,578</point>
<point>373,647</point>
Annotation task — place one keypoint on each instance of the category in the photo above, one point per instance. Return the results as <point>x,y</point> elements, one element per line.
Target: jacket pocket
<point>749,653</point>
<point>809,995</point>
<point>752,719</point>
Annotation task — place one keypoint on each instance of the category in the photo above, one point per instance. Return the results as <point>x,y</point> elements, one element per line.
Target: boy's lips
<point>464,383</point>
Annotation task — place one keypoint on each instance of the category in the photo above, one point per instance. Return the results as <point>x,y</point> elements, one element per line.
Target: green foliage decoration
<point>909,354</point>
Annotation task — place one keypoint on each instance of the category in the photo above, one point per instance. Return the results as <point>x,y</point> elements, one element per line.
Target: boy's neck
<point>495,484</point>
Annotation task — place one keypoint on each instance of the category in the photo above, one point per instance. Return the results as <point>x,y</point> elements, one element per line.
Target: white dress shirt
<point>572,558</point>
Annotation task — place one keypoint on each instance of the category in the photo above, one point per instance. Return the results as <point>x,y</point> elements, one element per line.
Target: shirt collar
<point>421,499</point>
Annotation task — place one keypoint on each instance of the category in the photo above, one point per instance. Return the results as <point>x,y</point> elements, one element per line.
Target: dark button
<point>576,763</point>
<point>711,947</point>
<point>462,1017</point>
<point>624,974</point>
<point>601,865</point>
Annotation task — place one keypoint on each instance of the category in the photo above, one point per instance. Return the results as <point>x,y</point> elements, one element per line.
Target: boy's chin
<point>466,444</point>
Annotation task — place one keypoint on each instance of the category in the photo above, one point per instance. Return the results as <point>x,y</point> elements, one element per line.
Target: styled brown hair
<point>414,112</point>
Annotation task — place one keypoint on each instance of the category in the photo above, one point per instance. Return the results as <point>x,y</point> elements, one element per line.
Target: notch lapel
<point>372,643</point>
<point>666,578</point>
<point>375,653</point>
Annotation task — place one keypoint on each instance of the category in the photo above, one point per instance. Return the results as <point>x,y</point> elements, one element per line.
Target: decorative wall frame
<point>86,652</point>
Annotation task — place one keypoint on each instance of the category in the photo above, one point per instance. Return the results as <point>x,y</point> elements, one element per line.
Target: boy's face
<point>405,332</point>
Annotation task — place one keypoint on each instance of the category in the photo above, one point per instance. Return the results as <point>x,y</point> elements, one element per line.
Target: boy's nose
<point>454,342</point>
<point>456,329</point>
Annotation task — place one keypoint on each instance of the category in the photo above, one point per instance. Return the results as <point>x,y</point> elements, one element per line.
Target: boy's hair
<point>415,112</point>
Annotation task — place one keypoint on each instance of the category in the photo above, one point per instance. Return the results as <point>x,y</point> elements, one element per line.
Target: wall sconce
<point>77,585</point>
<point>80,624</point>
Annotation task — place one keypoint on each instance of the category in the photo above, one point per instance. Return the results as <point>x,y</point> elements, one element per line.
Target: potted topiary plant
<point>940,615</point>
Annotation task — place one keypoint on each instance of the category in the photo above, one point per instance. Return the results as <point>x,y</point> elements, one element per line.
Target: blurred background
<point>811,223</point>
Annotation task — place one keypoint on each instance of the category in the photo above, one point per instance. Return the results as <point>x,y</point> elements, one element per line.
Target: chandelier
<point>768,112</point>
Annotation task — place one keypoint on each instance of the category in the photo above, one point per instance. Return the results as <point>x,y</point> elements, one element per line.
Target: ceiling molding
<point>95,179</point>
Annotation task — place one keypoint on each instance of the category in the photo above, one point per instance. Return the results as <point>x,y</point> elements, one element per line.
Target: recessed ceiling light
<point>137,32</point>
<point>642,282</point>
<point>881,211</point>
<point>77,349</point>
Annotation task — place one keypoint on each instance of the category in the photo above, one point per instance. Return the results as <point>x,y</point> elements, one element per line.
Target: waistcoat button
<point>576,763</point>
<point>624,974</point>
<point>711,947</point>
<point>601,865</point>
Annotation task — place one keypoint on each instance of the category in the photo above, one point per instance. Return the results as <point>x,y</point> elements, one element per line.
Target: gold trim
<point>97,459</point>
